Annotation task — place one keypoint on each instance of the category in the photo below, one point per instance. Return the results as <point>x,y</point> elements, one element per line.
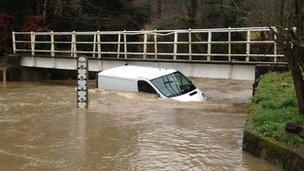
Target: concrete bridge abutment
<point>192,69</point>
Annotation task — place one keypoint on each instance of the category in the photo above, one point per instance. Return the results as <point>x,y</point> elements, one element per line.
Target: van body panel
<point>197,97</point>
<point>126,78</point>
<point>109,83</point>
<point>136,72</point>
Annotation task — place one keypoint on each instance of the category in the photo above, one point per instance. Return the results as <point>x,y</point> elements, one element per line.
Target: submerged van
<point>166,83</point>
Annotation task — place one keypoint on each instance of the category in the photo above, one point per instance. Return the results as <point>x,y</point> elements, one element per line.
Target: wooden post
<point>209,46</point>
<point>190,44</point>
<point>175,45</point>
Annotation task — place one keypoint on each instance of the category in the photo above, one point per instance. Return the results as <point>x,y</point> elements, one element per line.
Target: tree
<point>292,36</point>
<point>114,14</point>
<point>288,18</point>
<point>159,9</point>
<point>192,14</point>
<point>5,28</point>
<point>235,17</point>
<point>213,15</point>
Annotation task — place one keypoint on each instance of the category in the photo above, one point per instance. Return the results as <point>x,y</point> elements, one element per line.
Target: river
<point>41,129</point>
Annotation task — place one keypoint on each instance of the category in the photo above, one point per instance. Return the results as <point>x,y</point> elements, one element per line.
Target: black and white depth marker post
<point>82,83</point>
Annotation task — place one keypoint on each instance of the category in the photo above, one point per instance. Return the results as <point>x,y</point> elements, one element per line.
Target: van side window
<point>143,86</point>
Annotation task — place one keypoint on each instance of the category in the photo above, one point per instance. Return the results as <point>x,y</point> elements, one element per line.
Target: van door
<point>144,86</point>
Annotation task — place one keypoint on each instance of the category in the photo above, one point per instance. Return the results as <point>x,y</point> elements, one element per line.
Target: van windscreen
<point>174,84</point>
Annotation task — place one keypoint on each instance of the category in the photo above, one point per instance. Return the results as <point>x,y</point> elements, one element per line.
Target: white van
<point>166,83</point>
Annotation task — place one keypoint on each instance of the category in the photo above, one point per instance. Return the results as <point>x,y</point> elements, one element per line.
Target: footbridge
<point>210,53</point>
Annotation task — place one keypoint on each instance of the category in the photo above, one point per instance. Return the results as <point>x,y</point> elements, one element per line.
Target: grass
<point>274,104</point>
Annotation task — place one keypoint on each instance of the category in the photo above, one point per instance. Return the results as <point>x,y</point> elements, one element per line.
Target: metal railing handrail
<point>150,37</point>
<point>240,29</point>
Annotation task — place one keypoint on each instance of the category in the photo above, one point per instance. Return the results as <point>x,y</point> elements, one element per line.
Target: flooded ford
<point>41,129</point>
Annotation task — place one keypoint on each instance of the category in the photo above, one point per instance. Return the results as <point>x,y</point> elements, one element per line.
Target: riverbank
<point>274,104</point>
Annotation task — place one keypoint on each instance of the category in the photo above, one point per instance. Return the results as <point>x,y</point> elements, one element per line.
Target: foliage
<point>234,17</point>
<point>78,15</point>
<point>100,15</point>
<point>34,23</point>
<point>206,14</point>
<point>5,24</point>
<point>181,20</point>
<point>72,15</point>
<point>177,23</point>
<point>193,9</point>
<point>274,104</point>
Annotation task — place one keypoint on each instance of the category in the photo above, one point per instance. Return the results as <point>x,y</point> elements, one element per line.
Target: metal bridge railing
<point>250,44</point>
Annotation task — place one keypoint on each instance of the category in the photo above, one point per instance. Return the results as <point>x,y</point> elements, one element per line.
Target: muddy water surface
<point>42,130</point>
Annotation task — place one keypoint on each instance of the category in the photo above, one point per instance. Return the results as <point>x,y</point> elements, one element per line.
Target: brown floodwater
<point>41,129</point>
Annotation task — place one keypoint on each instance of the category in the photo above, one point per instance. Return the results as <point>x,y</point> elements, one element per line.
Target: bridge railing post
<point>209,45</point>
<point>118,45</point>
<point>175,45</point>
<point>98,45</point>
<point>145,45</point>
<point>155,44</point>
<point>73,45</point>
<point>125,44</point>
<point>52,44</point>
<point>190,44</point>
<point>94,45</point>
<point>33,43</point>
<point>229,44</point>
<point>248,45</point>
<point>14,42</point>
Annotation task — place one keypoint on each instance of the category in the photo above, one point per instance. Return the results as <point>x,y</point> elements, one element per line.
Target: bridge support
<point>4,73</point>
<point>4,76</point>
<point>193,69</point>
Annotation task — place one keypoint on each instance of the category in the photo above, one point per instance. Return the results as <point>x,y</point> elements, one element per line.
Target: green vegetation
<point>274,104</point>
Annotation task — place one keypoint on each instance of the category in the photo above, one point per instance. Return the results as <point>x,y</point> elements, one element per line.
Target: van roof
<point>136,72</point>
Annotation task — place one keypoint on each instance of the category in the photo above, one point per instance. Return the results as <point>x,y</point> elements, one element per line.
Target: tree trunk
<point>192,12</point>
<point>282,11</point>
<point>159,9</point>
<point>293,53</point>
<point>44,11</point>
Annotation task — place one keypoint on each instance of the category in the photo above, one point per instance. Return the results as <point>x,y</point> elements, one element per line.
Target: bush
<point>274,104</point>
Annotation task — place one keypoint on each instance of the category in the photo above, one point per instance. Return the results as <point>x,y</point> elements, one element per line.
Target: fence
<point>250,44</point>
